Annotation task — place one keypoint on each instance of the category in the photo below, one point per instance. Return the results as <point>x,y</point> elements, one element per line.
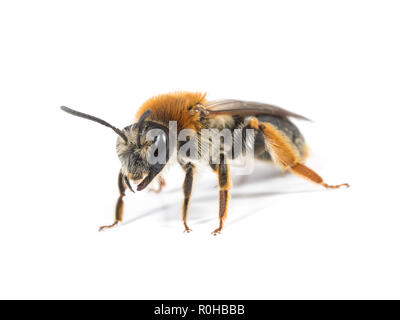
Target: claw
<point>187,229</point>
<point>216,231</point>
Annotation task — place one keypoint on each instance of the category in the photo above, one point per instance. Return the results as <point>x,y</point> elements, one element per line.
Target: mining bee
<point>276,139</point>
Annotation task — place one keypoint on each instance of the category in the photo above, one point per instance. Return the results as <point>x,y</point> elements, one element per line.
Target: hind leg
<point>305,172</point>
<point>284,153</point>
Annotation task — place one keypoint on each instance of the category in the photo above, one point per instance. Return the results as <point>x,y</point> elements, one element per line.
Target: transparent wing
<point>247,108</point>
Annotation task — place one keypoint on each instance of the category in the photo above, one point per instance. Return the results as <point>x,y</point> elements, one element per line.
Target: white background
<point>336,62</point>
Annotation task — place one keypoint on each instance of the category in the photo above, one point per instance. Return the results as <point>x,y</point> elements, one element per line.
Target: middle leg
<point>187,192</point>
<point>224,181</point>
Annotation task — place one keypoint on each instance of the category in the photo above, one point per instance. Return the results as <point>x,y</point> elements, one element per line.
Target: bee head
<point>145,152</point>
<point>142,148</point>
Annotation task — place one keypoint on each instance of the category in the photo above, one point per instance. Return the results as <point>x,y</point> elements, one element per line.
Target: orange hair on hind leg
<point>284,153</point>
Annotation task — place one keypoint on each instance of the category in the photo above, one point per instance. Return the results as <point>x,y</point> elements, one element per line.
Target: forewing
<point>247,108</point>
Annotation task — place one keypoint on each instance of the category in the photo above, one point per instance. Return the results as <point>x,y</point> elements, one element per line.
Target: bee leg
<point>224,181</point>
<point>187,192</point>
<point>161,185</point>
<point>119,207</point>
<point>285,154</point>
<point>307,173</point>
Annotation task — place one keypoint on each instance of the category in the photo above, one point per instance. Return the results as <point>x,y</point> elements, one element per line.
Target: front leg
<point>224,181</point>
<point>119,207</point>
<point>187,192</point>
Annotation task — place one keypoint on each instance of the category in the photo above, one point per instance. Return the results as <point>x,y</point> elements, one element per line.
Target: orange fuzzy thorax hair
<point>174,106</point>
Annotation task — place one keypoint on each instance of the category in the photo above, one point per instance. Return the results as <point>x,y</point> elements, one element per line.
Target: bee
<point>276,139</point>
